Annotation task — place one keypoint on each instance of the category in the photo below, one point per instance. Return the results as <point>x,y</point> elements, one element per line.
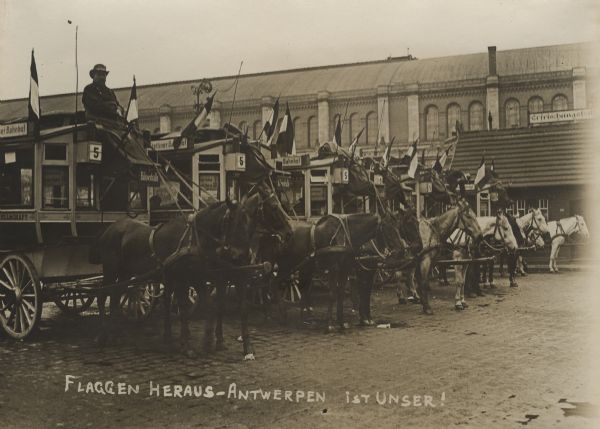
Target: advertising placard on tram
<point>168,144</point>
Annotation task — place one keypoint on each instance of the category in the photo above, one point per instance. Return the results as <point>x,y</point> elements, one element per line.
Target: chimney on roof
<point>492,60</point>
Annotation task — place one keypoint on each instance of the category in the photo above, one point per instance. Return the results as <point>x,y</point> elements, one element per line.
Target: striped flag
<point>132,107</point>
<point>198,121</point>
<point>480,172</point>
<point>387,154</point>
<point>412,150</point>
<point>414,162</point>
<point>285,137</point>
<point>270,125</point>
<point>34,93</point>
<point>352,148</point>
<point>337,135</point>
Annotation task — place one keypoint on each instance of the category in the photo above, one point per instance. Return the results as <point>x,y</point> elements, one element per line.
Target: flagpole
<point>237,79</point>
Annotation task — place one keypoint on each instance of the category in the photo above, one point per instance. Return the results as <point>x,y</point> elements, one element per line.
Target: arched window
<point>535,105</point>
<point>453,117</point>
<point>300,134</point>
<point>256,129</point>
<point>431,123</point>
<point>242,126</point>
<point>353,126</point>
<point>512,113</point>
<point>476,116</point>
<point>312,132</point>
<point>371,131</point>
<point>559,102</point>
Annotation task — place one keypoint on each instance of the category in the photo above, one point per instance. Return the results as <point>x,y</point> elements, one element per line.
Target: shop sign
<point>149,177</point>
<point>292,161</point>
<point>564,115</point>
<point>283,182</point>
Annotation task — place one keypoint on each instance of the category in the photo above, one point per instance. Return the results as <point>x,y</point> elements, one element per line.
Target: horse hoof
<point>514,284</point>
<point>465,305</point>
<point>458,307</point>
<point>471,295</point>
<point>330,329</point>
<point>428,311</point>
<point>344,325</point>
<point>249,356</point>
<point>402,301</point>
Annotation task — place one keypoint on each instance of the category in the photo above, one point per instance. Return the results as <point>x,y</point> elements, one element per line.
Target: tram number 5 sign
<point>241,161</point>
<point>95,153</point>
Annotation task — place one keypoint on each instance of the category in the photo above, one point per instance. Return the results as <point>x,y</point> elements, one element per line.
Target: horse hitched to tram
<point>97,209</point>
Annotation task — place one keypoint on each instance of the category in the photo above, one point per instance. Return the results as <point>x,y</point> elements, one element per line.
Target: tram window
<point>484,200</point>
<point>209,186</point>
<point>55,152</point>
<point>137,195</point>
<point>86,186</point>
<point>291,192</point>
<point>55,187</point>
<point>16,179</point>
<point>318,200</point>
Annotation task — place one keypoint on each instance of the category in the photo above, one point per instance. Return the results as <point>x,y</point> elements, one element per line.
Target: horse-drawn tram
<point>59,188</point>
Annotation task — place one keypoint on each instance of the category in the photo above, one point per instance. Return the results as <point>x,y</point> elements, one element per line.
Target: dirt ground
<point>514,358</point>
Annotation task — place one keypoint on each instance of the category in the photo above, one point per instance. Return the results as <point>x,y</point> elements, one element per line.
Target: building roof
<point>343,77</point>
<point>551,155</point>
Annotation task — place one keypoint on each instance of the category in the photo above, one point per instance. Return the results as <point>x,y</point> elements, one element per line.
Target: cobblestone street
<point>514,358</point>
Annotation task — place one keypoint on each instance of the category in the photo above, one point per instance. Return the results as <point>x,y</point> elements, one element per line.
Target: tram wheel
<point>138,302</point>
<point>20,296</point>
<point>74,303</point>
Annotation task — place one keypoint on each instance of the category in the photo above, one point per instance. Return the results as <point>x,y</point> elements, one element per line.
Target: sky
<point>175,40</point>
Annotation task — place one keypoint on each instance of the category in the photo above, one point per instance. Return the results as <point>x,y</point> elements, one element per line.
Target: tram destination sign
<point>13,130</point>
<point>168,144</point>
<point>560,116</point>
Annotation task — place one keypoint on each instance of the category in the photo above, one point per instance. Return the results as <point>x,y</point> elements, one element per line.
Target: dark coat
<point>100,101</point>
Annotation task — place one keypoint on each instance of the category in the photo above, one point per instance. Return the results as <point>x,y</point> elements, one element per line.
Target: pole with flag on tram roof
<point>198,121</point>
<point>34,97</point>
<point>337,135</point>
<point>385,160</point>
<point>481,174</point>
<point>354,144</point>
<point>132,107</point>
<point>285,142</point>
<point>412,150</point>
<point>269,127</point>
<point>414,161</point>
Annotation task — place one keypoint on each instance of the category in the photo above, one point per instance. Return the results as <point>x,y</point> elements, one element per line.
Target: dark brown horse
<point>183,252</point>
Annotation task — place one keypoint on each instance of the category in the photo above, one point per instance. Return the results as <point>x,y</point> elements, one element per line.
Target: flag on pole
<point>412,150</point>
<point>352,148</point>
<point>414,163</point>
<point>492,166</point>
<point>34,93</point>
<point>480,172</point>
<point>337,135</point>
<point>285,137</point>
<point>270,125</point>
<point>132,107</point>
<point>387,154</point>
<point>198,121</point>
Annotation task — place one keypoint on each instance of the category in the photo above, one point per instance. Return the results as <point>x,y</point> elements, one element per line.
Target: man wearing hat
<point>99,100</point>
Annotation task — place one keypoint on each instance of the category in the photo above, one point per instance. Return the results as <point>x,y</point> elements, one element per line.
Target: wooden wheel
<point>74,303</point>
<point>193,301</point>
<point>20,296</point>
<point>138,302</point>
<point>291,293</point>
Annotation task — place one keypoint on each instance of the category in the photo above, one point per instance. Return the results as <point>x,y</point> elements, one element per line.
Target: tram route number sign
<point>95,152</point>
<point>341,176</point>
<point>235,162</point>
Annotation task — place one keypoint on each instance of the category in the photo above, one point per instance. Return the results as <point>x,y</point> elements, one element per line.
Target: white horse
<point>496,226</point>
<point>534,230</point>
<point>559,232</point>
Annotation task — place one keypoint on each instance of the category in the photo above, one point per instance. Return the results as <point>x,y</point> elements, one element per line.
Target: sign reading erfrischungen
<point>564,115</point>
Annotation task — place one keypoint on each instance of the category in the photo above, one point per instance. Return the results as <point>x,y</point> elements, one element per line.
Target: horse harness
<point>560,231</point>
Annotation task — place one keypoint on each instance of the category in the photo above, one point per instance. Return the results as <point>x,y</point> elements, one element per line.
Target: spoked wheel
<point>193,297</point>
<point>291,293</point>
<point>20,296</point>
<point>74,303</point>
<point>138,302</point>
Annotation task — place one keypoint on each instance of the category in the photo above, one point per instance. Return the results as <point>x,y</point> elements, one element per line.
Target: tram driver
<point>99,100</point>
